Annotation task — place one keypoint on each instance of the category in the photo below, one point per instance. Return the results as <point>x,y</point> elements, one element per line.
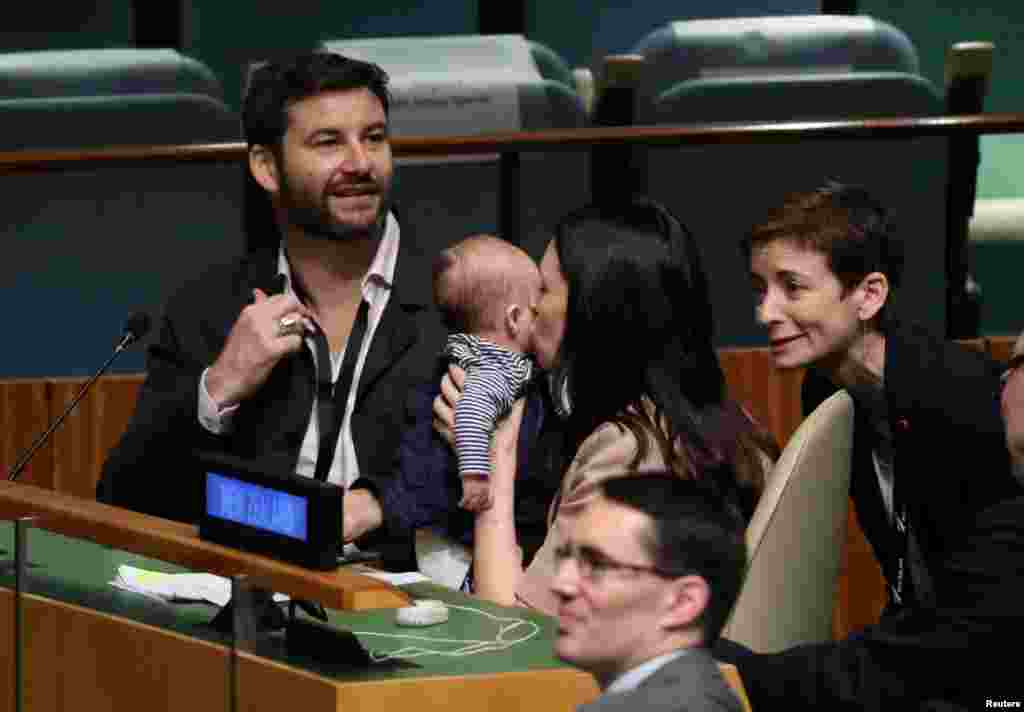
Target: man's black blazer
<point>150,470</point>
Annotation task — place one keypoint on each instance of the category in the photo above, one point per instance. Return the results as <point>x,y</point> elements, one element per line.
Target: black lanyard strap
<point>899,590</point>
<point>912,584</point>
<point>332,397</point>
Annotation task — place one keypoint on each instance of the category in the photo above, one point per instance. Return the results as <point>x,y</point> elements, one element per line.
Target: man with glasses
<point>645,578</point>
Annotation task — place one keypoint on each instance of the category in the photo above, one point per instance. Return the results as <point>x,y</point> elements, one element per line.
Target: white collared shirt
<point>631,679</point>
<point>376,289</point>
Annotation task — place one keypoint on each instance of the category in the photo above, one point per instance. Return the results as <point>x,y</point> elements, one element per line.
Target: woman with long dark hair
<point>624,329</point>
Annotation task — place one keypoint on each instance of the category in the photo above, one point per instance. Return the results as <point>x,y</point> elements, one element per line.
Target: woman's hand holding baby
<point>444,404</point>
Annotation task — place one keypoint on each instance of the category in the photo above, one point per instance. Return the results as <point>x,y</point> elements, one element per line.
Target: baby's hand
<point>476,493</point>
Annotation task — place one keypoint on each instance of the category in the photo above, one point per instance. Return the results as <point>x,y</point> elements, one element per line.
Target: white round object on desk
<point>422,613</point>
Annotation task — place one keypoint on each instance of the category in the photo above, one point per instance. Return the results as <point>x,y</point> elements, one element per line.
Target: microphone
<point>135,328</point>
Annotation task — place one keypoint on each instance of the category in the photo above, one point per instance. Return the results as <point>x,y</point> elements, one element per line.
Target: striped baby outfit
<point>495,377</point>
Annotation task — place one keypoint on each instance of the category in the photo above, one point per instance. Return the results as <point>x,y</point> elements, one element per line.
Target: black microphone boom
<point>134,329</point>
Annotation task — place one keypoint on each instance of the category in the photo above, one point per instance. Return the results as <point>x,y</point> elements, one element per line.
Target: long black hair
<point>639,331</point>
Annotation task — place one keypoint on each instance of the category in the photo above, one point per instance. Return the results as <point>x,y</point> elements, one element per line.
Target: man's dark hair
<point>275,86</point>
<point>272,89</point>
<point>693,532</point>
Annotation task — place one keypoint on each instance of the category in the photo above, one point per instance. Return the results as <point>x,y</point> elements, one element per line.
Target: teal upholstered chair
<point>788,44</point>
<point>104,72</point>
<point>532,89</point>
<point>791,69</point>
<point>88,243</point>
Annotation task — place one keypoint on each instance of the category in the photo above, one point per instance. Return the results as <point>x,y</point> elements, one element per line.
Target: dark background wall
<point>933,26</point>
<point>226,36</point>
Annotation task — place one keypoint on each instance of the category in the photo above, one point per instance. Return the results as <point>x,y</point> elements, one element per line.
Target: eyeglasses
<point>593,565</point>
<point>1015,362</point>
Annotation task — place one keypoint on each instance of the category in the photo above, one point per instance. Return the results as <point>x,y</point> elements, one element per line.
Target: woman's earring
<point>558,387</point>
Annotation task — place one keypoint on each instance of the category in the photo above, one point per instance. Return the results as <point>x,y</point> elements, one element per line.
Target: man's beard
<point>316,219</point>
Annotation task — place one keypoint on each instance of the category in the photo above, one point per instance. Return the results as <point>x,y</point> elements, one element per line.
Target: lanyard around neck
<point>332,397</point>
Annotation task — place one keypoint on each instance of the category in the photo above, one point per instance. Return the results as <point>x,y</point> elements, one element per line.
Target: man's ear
<point>874,292</point>
<point>263,166</point>
<point>688,598</point>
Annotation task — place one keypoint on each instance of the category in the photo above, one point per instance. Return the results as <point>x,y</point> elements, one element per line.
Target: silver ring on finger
<point>289,325</point>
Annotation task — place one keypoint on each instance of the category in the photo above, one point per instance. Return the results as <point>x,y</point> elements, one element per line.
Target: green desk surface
<point>78,572</point>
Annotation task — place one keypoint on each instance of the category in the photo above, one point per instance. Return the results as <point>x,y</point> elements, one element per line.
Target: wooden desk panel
<point>81,444</point>
<point>772,396</point>
<point>90,646</point>
<point>24,415</point>
<point>81,659</point>
<point>76,455</point>
<point>860,592</point>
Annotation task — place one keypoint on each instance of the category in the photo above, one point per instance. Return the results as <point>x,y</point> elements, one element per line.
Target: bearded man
<point>297,357</point>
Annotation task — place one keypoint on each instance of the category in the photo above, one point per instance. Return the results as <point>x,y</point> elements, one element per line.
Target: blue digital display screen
<point>256,506</point>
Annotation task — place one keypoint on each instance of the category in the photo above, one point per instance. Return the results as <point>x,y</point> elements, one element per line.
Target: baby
<point>484,288</point>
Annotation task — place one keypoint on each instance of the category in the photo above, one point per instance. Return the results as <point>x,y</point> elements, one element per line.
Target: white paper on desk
<point>177,587</point>
<point>443,560</point>
<point>399,579</point>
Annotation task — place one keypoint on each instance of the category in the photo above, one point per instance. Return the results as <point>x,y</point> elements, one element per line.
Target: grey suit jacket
<point>690,683</point>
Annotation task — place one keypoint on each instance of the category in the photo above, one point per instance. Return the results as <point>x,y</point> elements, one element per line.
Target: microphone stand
<point>136,328</point>
<point>22,462</point>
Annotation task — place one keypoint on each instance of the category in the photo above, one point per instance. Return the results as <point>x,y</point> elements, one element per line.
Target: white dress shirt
<point>631,679</point>
<point>376,288</point>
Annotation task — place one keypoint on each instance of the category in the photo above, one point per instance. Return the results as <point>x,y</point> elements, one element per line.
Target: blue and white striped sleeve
<point>491,386</point>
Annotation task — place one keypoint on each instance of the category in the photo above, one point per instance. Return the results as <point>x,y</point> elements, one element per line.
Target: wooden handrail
<point>559,140</point>
<point>180,544</point>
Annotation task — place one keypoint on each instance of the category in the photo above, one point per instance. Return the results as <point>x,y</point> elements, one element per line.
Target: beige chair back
<point>795,539</point>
